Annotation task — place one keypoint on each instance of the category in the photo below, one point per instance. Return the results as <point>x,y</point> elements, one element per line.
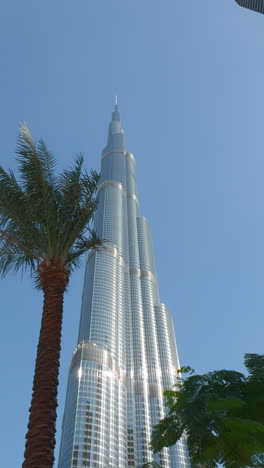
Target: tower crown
<point>116,135</point>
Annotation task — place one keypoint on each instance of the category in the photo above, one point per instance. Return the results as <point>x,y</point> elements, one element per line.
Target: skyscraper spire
<point>116,105</point>
<point>116,135</point>
<point>126,354</point>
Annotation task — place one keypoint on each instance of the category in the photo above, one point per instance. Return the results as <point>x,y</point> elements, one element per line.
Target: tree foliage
<point>222,415</point>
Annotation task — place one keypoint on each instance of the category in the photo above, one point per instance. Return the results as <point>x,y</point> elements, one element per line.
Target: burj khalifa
<point>126,354</point>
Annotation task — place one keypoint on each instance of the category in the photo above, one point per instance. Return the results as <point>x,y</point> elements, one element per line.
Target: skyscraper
<point>126,354</point>
<point>257,5</point>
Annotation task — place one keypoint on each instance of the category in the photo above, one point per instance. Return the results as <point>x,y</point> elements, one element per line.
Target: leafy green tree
<point>44,228</point>
<point>222,415</point>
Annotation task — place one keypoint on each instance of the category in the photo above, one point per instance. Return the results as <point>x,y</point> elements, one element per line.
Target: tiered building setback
<point>126,354</point>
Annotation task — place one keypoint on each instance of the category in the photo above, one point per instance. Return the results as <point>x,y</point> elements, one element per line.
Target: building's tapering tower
<point>126,354</point>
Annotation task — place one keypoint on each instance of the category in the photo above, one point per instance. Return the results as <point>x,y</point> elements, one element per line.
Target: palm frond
<point>42,215</point>
<point>83,245</point>
<point>69,182</point>
<point>77,204</point>
<point>7,241</point>
<point>48,162</point>
<point>36,167</point>
<point>14,256</point>
<point>19,213</point>
<point>13,200</point>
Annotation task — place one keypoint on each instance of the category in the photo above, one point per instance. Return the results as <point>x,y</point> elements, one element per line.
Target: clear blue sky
<point>189,76</point>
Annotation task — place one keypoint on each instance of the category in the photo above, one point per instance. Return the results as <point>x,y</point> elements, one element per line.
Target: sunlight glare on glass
<point>80,373</point>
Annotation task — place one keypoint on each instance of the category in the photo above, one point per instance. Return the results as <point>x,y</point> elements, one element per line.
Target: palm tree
<point>44,228</point>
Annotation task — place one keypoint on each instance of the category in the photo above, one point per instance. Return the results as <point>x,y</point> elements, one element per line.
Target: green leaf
<point>227,403</point>
<point>185,370</point>
<point>243,425</point>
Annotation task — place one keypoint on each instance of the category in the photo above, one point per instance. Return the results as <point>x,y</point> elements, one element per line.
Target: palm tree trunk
<point>40,438</point>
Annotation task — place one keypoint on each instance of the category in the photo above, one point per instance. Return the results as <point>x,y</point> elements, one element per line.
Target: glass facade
<point>126,355</point>
<point>256,5</point>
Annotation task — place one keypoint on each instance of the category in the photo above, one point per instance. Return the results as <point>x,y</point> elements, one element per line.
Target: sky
<point>189,78</point>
